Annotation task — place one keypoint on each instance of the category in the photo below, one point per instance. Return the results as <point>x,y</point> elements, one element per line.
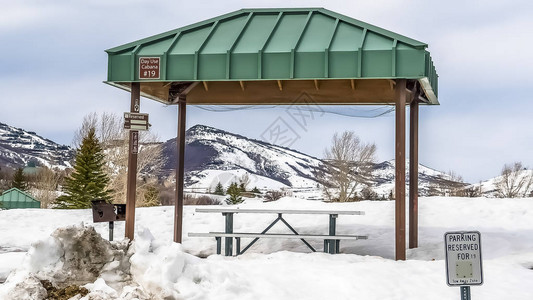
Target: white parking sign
<point>463,258</point>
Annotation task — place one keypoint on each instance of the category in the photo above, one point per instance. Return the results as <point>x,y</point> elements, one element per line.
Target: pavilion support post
<point>413,175</point>
<point>180,170</point>
<point>131,186</point>
<point>400,95</point>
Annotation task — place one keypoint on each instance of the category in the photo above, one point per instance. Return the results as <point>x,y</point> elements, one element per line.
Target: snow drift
<point>78,255</point>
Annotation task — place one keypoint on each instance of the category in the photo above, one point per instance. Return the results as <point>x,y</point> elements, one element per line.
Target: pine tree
<point>219,189</point>
<point>234,193</point>
<point>19,180</point>
<point>256,191</point>
<point>88,181</point>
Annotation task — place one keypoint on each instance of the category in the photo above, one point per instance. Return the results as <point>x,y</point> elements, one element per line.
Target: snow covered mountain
<point>521,185</point>
<point>213,155</point>
<point>19,147</point>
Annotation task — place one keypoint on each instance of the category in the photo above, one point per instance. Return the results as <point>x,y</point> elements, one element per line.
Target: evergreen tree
<point>234,193</point>
<point>219,189</point>
<point>256,191</point>
<point>88,181</point>
<point>19,180</point>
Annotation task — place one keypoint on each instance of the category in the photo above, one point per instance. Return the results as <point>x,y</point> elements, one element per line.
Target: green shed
<point>15,198</point>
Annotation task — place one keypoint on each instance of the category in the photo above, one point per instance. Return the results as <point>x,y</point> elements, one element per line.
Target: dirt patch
<point>65,293</point>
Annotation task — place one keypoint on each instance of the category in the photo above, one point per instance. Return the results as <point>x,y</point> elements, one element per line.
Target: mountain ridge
<point>19,147</point>
<point>210,149</point>
<point>213,155</point>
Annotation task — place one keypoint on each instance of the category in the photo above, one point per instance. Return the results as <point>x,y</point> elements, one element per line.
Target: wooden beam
<point>413,175</point>
<point>392,83</point>
<point>242,85</point>
<point>180,171</point>
<point>205,86</point>
<point>371,91</point>
<point>399,188</point>
<point>131,184</point>
<point>352,83</point>
<point>316,84</point>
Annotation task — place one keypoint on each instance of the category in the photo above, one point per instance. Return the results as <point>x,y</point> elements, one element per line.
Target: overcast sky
<point>52,65</point>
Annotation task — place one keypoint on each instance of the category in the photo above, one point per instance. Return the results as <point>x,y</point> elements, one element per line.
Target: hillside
<point>19,147</point>
<point>213,155</point>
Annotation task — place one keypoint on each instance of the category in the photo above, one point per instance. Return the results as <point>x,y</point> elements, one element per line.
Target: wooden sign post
<point>132,164</point>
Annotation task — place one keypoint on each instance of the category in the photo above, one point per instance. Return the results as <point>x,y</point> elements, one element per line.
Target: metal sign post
<point>465,293</point>
<point>463,260</point>
<point>111,228</point>
<point>107,212</point>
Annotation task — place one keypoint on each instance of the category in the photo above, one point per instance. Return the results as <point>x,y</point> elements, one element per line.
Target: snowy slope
<point>214,155</point>
<point>155,268</point>
<point>18,147</point>
<point>489,187</point>
<point>384,173</point>
<point>213,149</point>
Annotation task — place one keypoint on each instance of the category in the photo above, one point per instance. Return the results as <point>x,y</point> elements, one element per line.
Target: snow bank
<point>78,255</point>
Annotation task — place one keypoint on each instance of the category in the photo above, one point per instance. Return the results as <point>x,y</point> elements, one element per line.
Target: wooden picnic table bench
<point>331,240</point>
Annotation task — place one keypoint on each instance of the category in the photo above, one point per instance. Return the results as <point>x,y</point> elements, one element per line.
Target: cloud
<point>16,15</point>
<point>53,74</point>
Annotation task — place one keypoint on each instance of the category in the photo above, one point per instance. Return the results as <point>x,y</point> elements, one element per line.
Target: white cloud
<point>53,75</point>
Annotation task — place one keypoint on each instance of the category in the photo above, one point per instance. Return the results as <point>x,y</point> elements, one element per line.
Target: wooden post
<point>400,168</point>
<point>180,141</point>
<point>413,175</point>
<point>132,164</point>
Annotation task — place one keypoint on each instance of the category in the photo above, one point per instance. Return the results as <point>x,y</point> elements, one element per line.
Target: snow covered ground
<point>155,268</point>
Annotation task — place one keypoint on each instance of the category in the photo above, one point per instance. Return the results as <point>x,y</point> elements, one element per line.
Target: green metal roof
<point>277,44</point>
<point>15,198</point>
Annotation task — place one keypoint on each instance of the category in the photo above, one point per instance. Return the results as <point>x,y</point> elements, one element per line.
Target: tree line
<point>100,172</point>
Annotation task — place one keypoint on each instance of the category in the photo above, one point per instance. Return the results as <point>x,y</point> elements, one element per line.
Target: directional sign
<point>136,121</point>
<point>149,67</point>
<point>134,145</point>
<point>463,258</point>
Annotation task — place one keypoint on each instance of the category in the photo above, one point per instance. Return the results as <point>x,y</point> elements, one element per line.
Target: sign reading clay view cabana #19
<point>272,56</point>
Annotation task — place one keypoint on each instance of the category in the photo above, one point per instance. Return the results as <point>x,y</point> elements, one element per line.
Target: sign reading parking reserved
<point>463,258</point>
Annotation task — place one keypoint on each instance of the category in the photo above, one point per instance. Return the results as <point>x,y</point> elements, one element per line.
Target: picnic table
<point>331,240</point>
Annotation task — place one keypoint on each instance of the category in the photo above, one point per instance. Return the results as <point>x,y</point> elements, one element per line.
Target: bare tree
<point>115,142</point>
<point>453,185</point>
<point>45,185</point>
<point>349,165</point>
<point>244,181</point>
<point>515,181</point>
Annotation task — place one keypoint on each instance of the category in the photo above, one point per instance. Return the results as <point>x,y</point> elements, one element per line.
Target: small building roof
<point>292,44</point>
<point>15,198</point>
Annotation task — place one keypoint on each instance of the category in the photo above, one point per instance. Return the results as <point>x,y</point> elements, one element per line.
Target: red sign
<point>149,67</point>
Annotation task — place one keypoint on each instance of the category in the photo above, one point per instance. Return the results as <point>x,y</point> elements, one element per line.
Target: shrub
<point>234,193</point>
<point>368,194</point>
<point>201,200</point>
<point>219,189</point>
<point>275,195</point>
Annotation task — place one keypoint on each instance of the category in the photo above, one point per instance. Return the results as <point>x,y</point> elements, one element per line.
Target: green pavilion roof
<point>276,44</point>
